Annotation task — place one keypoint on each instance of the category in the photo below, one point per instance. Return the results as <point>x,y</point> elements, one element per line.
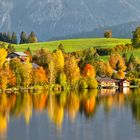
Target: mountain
<point>51,19</point>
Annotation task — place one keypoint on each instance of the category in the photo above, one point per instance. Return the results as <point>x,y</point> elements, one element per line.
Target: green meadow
<point>74,44</point>
<point>79,44</point>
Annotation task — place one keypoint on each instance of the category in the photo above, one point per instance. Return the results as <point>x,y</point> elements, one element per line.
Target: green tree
<point>14,38</point>
<point>32,38</point>
<point>108,34</point>
<point>9,37</point>
<point>136,38</point>
<point>10,48</point>
<point>61,47</point>
<point>23,38</point>
<point>132,63</point>
<point>42,57</point>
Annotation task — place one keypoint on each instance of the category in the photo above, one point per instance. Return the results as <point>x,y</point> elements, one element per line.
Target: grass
<point>79,44</point>
<point>136,52</point>
<point>74,44</point>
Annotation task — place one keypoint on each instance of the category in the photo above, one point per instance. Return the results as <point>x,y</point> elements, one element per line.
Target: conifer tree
<point>23,38</point>
<point>14,38</point>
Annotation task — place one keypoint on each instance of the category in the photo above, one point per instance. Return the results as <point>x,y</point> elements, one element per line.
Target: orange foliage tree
<point>89,71</point>
<point>39,76</point>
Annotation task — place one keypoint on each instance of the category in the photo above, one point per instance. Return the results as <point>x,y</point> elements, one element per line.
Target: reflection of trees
<point>55,110</point>
<point>3,123</point>
<point>18,105</point>
<point>72,105</point>
<point>135,104</point>
<point>39,101</point>
<point>23,106</point>
<point>89,103</point>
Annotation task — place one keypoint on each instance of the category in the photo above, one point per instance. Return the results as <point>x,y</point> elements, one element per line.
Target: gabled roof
<point>21,54</point>
<point>122,80</point>
<point>99,79</point>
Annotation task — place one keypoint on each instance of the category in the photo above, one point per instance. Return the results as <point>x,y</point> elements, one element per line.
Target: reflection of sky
<point>39,117</point>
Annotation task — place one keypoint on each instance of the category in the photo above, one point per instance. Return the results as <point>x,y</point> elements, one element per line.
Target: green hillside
<point>74,44</point>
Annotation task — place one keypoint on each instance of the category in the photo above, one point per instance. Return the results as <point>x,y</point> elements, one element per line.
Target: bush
<point>92,83</point>
<point>135,82</point>
<point>88,83</point>
<point>83,84</point>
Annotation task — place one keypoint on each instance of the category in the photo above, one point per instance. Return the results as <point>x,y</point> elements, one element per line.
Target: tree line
<point>12,38</point>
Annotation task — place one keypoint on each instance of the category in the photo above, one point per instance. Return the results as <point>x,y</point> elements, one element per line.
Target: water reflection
<point>57,105</point>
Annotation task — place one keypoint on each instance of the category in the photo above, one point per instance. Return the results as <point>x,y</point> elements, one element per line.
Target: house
<point>123,83</point>
<point>21,55</point>
<point>106,82</point>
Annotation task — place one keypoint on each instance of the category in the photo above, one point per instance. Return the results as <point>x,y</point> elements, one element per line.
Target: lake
<point>86,115</point>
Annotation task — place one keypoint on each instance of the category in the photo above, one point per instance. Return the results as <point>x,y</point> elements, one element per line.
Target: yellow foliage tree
<point>108,70</point>
<point>72,70</point>
<point>3,55</point>
<point>58,58</point>
<point>116,59</point>
<point>121,74</point>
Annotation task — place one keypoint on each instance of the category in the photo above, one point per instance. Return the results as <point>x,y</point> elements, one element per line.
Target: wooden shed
<point>107,83</point>
<point>123,83</point>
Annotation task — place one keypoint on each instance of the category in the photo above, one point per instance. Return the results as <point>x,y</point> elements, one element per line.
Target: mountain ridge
<point>50,19</point>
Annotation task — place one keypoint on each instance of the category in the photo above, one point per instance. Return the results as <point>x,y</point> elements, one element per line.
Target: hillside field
<point>74,44</point>
<point>79,44</point>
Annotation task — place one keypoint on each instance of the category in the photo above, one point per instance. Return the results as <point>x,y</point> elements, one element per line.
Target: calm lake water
<point>87,115</point>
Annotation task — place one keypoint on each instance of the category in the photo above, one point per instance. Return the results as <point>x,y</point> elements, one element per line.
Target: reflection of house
<point>21,55</point>
<point>106,91</point>
<point>124,83</point>
<point>106,82</point>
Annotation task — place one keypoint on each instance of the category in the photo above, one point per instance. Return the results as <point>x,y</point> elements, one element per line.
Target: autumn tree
<point>58,58</point>
<point>125,58</point>
<point>108,70</point>
<point>29,53</point>
<point>121,74</point>
<point>39,76</point>
<point>72,70</point>
<point>15,66</point>
<point>7,78</point>
<point>51,72</point>
<point>89,71</point>
<point>26,73</point>
<point>116,61</point>
<point>3,55</point>
<point>3,79</point>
